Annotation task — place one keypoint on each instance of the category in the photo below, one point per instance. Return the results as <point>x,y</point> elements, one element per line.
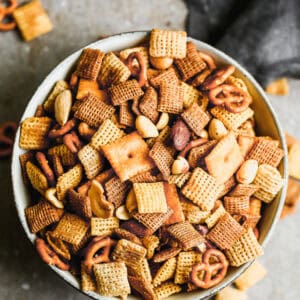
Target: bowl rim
<point>218,53</point>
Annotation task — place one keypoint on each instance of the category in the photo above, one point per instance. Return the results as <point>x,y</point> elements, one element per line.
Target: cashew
<point>100,206</point>
<point>131,203</point>
<point>50,195</point>
<point>216,129</point>
<point>161,63</point>
<point>145,127</point>
<point>62,107</point>
<point>122,213</point>
<point>247,171</point>
<point>180,166</point>
<point>163,121</point>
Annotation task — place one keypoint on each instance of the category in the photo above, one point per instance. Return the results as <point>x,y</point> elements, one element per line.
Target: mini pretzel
<point>218,77</point>
<point>86,131</point>
<point>71,140</point>
<point>234,99</point>
<point>141,73</point>
<point>43,162</point>
<point>208,60</point>
<point>214,272</point>
<point>55,132</point>
<point>191,145</point>
<point>135,106</point>
<point>10,9</point>
<point>6,11</point>
<point>7,141</point>
<point>49,256</point>
<point>94,246</point>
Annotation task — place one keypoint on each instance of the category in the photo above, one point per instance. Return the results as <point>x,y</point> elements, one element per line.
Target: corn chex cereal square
<point>101,226</point>
<point>167,76</point>
<point>165,272</point>
<point>202,189</point>
<point>116,190</point>
<point>65,155</point>
<point>36,177</point>
<point>148,104</point>
<point>150,197</point>
<point>80,204</point>
<point>112,279</point>
<point>128,156</point>
<point>170,98</point>
<point>32,20</point>
<point>166,290</point>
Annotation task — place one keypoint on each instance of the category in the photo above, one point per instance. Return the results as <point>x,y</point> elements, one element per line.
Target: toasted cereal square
<point>91,160</point>
<point>218,212</point>
<point>112,279</point>
<point>147,176</point>
<point>148,104</point>
<point>87,281</point>
<point>180,179</point>
<point>230,293</point>
<point>170,98</point>
<point>167,289</point>
<point>80,204</point>
<point>71,229</point>
<point>142,286</point>
<point>168,76</point>
<point>107,133</point>
<point>66,157</point>
<point>36,177</point>
<point>127,235</point>
<point>150,197</point>
<point>89,64</point>
<point>94,111</point>
<point>195,118</point>
<point>24,158</point>
<point>228,186</point>
<point>68,180</point>
<point>185,262</point>
<point>116,191</point>
<point>251,276</point>
<point>100,226</point>
<point>32,20</point>
<point>112,71</point>
<point>202,189</point>
<point>165,272</point>
<point>163,137</point>
<point>124,91</point>
<point>34,131</point>
<point>226,232</point>
<point>168,43</point>
<point>59,87</point>
<point>192,213</point>
<point>243,190</point>
<point>126,116</point>
<point>141,269</point>
<point>136,228</point>
<point>237,205</point>
<point>151,242</point>
<point>128,156</point>
<point>41,215</point>
<point>190,94</point>
<point>185,234</point>
<point>225,158</point>
<point>244,249</point>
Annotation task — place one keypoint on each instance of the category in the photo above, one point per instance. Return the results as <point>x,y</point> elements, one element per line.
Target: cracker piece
<point>170,98</point>
<point>162,158</point>
<point>112,71</point>
<point>269,181</point>
<point>168,43</point>
<point>127,235</point>
<point>180,179</point>
<point>136,228</point>
<point>93,111</point>
<point>230,293</point>
<point>228,186</point>
<point>36,177</point>
<point>174,204</point>
<point>168,76</point>
<point>76,248</point>
<point>148,104</point>
<point>91,160</point>
<point>67,158</point>
<point>167,289</point>
<point>151,242</point>
<point>190,94</point>
<point>112,279</point>
<point>153,220</point>
<point>80,204</point>
<point>32,20</point>
<point>193,213</point>
<point>185,262</point>
<point>107,133</point>
<point>86,87</point>
<point>59,87</point>
<point>141,49</point>
<point>144,177</point>
<point>279,86</point>
<point>244,249</point>
<point>100,226</point>
<point>128,156</point>
<point>202,189</point>
<point>165,254</point>
<point>237,205</point>
<point>192,64</point>
<point>150,197</point>
<point>217,213</point>
<point>71,229</point>
<point>116,191</point>
<point>185,234</point>
<point>225,159</point>
<point>246,143</point>
<point>165,272</point>
<point>41,215</point>
<point>89,64</point>
<point>143,287</point>
<point>24,158</point>
<point>88,283</point>
<point>265,152</point>
<point>125,91</point>
<point>294,160</point>
<point>126,116</point>
<point>231,120</point>
<point>68,180</point>
<point>251,276</point>
<point>226,232</point>
<point>34,131</point>
<point>243,190</point>
<point>195,118</point>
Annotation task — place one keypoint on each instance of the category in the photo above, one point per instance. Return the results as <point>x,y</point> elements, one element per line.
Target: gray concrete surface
<point>24,65</point>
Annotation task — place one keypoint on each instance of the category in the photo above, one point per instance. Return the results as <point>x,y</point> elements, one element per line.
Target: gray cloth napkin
<point>263,35</point>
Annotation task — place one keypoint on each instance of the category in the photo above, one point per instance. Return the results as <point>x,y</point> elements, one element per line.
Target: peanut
<point>247,171</point>
<point>62,107</point>
<point>145,127</point>
<point>161,63</point>
<point>180,166</point>
<point>216,129</point>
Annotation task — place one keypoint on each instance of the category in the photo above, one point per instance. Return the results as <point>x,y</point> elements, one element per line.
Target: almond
<point>180,135</point>
<point>50,195</point>
<point>62,107</point>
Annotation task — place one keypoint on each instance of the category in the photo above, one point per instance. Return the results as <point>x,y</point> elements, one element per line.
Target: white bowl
<point>266,120</point>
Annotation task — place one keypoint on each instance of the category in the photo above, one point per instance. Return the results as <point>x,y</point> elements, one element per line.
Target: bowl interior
<point>265,118</point>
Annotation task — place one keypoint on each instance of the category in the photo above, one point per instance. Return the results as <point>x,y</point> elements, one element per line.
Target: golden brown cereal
<point>137,228</point>
<point>58,246</point>
<point>80,204</point>
<point>170,98</point>
<point>167,76</point>
<point>218,212</point>
<point>88,283</point>
<point>24,158</point>
<point>228,186</point>
<point>180,179</point>
<point>127,235</point>
<point>192,213</point>
<point>116,191</point>
<point>165,272</point>
<point>243,190</point>
<point>86,87</point>
<point>36,177</point>
<point>144,177</point>
<point>141,269</point>
<point>148,104</point>
<point>167,289</point>
<point>100,226</point>
<point>151,242</point>
<point>67,158</point>
<point>237,205</point>
<point>142,286</point>
<point>190,95</point>
<point>278,87</point>
<point>126,116</point>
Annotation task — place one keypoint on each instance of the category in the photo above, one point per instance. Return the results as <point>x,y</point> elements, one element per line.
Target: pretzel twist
<point>7,141</point>
<point>192,144</point>
<point>59,132</point>
<point>7,11</point>
<point>71,140</point>
<point>208,60</point>
<point>140,72</point>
